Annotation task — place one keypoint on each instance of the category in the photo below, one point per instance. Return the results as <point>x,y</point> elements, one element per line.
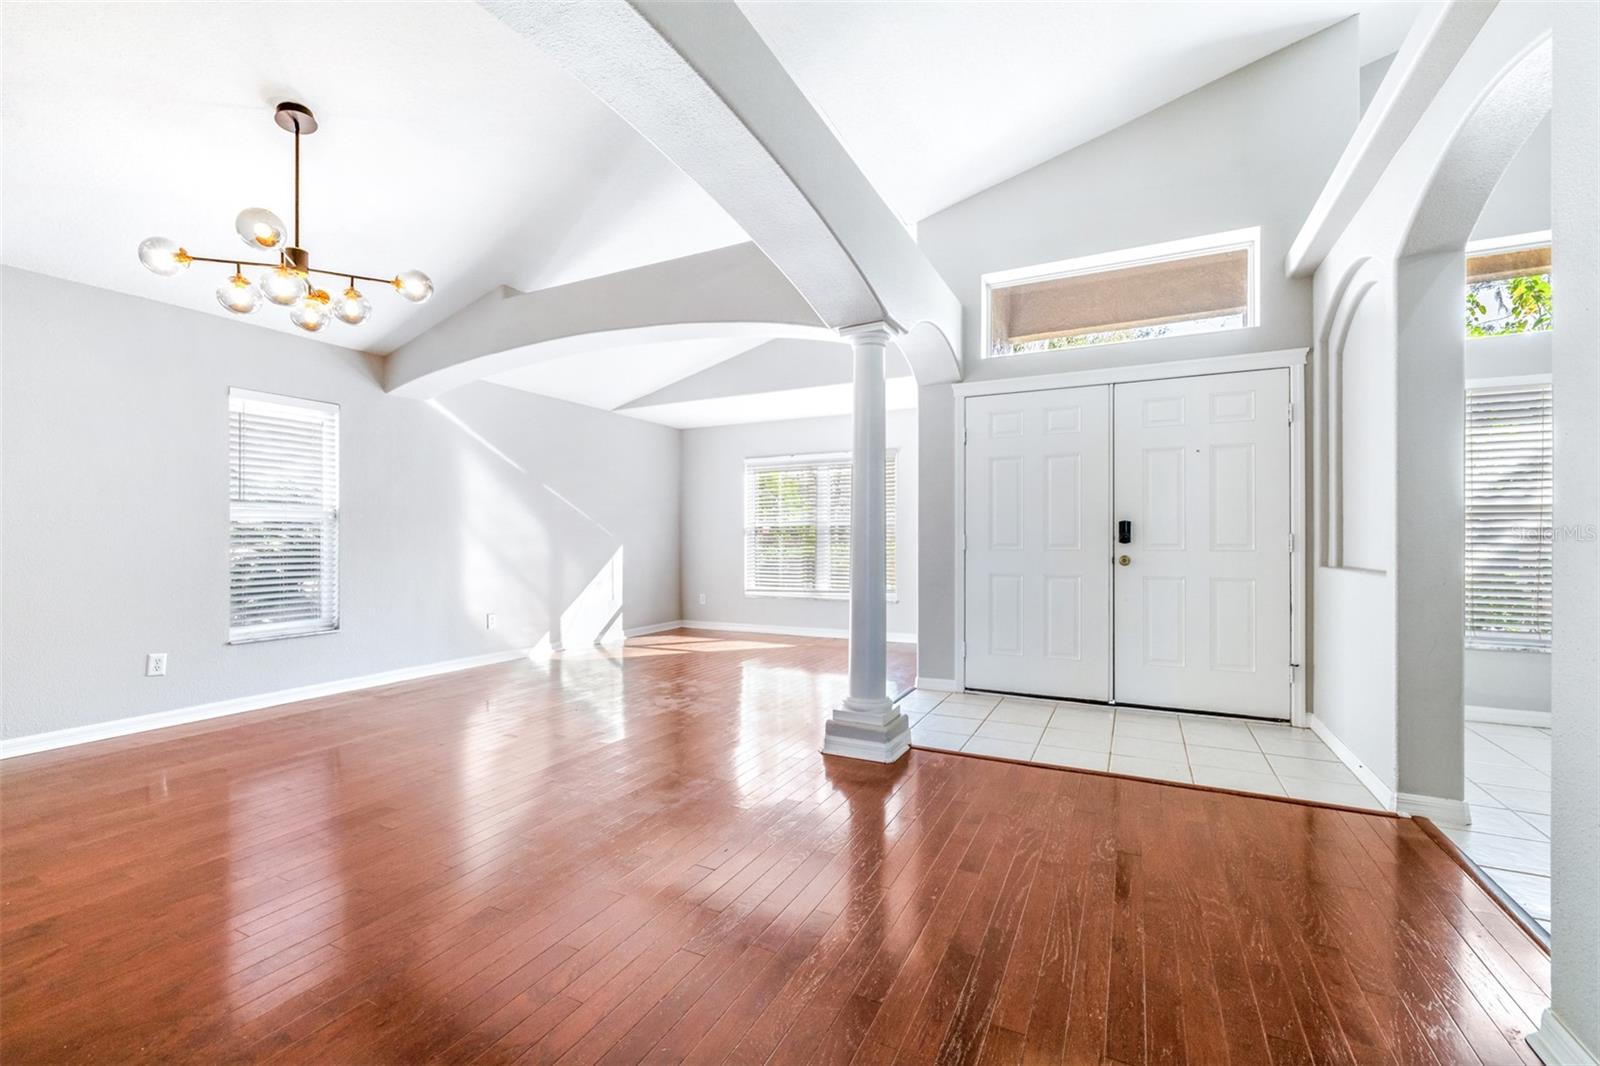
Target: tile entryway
<point>1264,757</point>
<point>1508,789</point>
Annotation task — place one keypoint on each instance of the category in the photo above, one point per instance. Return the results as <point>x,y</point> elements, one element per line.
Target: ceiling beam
<point>698,82</point>
<point>1435,44</point>
<point>728,292</point>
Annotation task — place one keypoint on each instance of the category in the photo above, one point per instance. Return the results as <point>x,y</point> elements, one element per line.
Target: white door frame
<point>1291,359</point>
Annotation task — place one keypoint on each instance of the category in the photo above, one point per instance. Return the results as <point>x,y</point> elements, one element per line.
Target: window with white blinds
<point>283,511</point>
<point>1510,490</point>
<point>797,526</point>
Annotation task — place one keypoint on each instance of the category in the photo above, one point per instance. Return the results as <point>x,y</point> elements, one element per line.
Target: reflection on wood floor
<point>620,856</point>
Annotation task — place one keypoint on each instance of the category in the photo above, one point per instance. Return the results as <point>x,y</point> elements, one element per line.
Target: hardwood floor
<point>621,857</point>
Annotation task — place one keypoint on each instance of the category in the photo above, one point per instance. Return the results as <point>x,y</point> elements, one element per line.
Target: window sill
<point>1520,649</point>
<point>839,597</point>
<point>262,638</point>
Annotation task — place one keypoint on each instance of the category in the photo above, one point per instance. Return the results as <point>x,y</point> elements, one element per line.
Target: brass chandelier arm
<point>312,270</point>
<point>353,277</point>
<point>229,262</point>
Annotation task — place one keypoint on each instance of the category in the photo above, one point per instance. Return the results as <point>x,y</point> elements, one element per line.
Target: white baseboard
<point>787,631</point>
<point>659,627</point>
<point>1374,784</point>
<point>121,727</point>
<point>1508,716</point>
<point>1451,812</point>
<point>937,684</point>
<point>1556,1045</point>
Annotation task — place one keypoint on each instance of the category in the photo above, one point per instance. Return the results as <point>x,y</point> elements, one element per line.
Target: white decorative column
<point>867,725</point>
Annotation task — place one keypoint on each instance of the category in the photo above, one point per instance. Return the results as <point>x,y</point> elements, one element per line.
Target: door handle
<point>1123,560</point>
<point>1124,532</point>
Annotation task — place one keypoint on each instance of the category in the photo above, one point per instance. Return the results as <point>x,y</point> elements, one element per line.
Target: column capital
<point>871,332</point>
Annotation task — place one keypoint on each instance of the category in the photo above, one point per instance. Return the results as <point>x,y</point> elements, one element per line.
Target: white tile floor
<point>1264,757</point>
<point>1508,789</point>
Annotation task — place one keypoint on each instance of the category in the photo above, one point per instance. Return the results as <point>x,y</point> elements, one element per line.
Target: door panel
<point>1038,506</point>
<point>1202,609</point>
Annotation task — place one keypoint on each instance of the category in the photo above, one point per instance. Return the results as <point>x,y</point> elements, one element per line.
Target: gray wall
<point>116,512</point>
<point>1250,149</point>
<point>713,521</point>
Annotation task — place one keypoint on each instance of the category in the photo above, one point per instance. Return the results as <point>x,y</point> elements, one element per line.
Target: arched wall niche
<point>1359,279</point>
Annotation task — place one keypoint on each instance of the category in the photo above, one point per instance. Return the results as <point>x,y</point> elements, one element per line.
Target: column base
<point>1556,1045</point>
<point>873,730</point>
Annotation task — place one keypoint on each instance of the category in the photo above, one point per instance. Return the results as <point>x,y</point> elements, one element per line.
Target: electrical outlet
<point>490,621</point>
<point>702,599</point>
<point>155,664</point>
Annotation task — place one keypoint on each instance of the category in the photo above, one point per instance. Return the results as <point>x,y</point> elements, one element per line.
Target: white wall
<point>1250,149</point>
<point>1575,673</point>
<point>713,521</point>
<point>1520,202</point>
<point>116,519</point>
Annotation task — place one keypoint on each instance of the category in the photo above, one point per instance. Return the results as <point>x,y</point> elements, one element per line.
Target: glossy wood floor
<point>641,856</point>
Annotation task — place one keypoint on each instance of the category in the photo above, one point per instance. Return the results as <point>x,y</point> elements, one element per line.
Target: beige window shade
<point>1212,285</point>
<point>1498,266</point>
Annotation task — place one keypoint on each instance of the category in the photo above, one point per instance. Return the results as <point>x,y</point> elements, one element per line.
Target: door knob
<point>1123,560</point>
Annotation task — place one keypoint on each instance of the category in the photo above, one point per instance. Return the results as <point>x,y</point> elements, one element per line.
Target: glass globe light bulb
<point>352,308</point>
<point>238,295</point>
<point>283,286</point>
<point>312,314</point>
<point>164,257</point>
<point>414,285</point>
<point>260,228</point>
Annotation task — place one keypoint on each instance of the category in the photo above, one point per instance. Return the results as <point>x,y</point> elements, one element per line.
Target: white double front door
<point>1130,542</point>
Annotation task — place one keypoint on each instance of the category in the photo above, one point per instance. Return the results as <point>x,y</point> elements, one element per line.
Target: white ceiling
<point>937,101</point>
<point>609,378</point>
<point>447,144</point>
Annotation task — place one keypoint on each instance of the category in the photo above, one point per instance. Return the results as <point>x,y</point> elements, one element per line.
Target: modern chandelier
<point>286,282</point>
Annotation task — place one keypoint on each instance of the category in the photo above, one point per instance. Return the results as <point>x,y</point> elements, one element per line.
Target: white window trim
<point>1248,238</point>
<point>758,461</point>
<point>1515,242</point>
<point>287,630</point>
<point>1511,380</point>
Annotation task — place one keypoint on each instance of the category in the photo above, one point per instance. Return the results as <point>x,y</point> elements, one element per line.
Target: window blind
<point>283,491</point>
<point>1510,489</point>
<point>797,526</point>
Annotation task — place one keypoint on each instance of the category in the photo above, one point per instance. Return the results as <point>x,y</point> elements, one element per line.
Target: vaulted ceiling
<point>941,99</point>
<point>446,144</point>
<point>450,144</point>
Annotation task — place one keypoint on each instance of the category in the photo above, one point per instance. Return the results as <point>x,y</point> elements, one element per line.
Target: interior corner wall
<point>1252,148</point>
<point>115,531</point>
<point>713,522</point>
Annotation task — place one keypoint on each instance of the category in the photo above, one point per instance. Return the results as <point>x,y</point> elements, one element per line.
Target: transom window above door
<point>1197,285</point>
<point>797,526</point>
